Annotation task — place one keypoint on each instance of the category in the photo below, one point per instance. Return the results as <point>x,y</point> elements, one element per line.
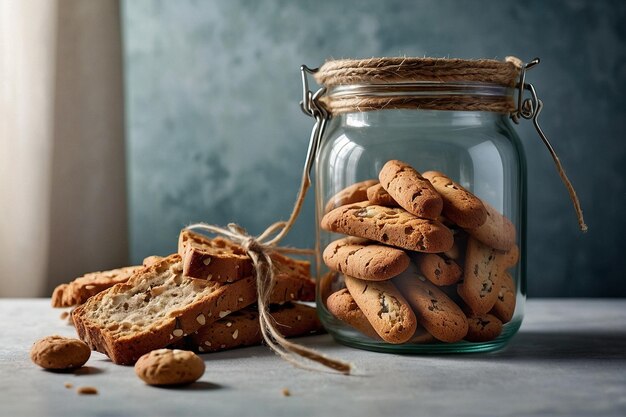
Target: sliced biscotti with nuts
<point>497,232</point>
<point>385,308</point>
<point>352,194</point>
<point>438,269</point>
<point>505,304</point>
<point>389,225</point>
<point>481,277</point>
<point>459,205</point>
<point>80,289</point>
<point>436,312</point>
<point>412,191</point>
<point>292,288</point>
<point>376,194</point>
<point>363,259</point>
<point>221,260</point>
<point>342,305</point>
<point>155,308</point>
<point>216,259</point>
<point>242,328</point>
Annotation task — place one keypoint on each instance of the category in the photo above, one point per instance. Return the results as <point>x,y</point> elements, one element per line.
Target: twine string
<point>260,249</point>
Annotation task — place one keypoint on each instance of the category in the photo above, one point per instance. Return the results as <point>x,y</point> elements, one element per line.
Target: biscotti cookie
<point>480,285</point>
<point>342,305</point>
<point>497,232</point>
<point>291,288</point>
<point>80,289</point>
<point>154,308</point>
<point>363,259</point>
<point>412,191</point>
<point>376,194</point>
<point>392,226</point>
<point>242,328</point>
<point>59,353</point>
<point>459,205</point>
<point>505,304</point>
<point>437,269</point>
<point>483,328</point>
<point>216,259</point>
<point>352,194</point>
<point>436,312</point>
<point>169,367</point>
<point>510,258</point>
<point>385,308</point>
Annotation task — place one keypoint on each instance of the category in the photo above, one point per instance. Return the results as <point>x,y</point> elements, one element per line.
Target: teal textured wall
<point>215,134</point>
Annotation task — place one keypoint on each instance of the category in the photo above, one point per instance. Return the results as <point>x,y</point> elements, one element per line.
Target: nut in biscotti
<point>364,259</point>
<point>412,191</point>
<point>392,226</point>
<point>385,308</point>
<point>459,205</point>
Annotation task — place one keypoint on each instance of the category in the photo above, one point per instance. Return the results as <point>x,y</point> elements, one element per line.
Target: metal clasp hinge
<point>311,106</point>
<point>530,108</point>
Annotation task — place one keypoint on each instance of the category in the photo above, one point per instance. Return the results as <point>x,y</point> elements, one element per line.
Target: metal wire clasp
<point>530,108</point>
<point>311,106</point>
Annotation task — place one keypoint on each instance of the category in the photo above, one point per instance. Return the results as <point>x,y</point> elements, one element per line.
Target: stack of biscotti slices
<point>425,260</point>
<point>159,305</point>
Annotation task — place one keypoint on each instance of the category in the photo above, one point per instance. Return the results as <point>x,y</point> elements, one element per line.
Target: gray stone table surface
<point>568,359</point>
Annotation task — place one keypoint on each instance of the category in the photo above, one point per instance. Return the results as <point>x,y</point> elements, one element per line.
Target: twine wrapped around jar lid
<point>404,71</point>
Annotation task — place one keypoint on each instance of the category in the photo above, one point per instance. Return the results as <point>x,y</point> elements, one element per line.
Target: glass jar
<point>477,150</point>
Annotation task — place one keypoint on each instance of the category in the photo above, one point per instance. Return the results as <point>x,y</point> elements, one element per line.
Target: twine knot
<point>259,249</point>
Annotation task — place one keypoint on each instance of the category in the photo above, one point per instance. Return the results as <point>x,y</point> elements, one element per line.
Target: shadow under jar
<point>392,277</point>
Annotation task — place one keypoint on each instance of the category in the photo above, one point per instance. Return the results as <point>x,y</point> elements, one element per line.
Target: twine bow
<point>260,249</point>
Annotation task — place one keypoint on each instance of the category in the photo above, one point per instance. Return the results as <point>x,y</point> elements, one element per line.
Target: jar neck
<point>452,96</point>
<point>423,118</point>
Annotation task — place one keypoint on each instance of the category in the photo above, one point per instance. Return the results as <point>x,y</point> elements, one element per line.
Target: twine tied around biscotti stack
<point>401,71</point>
<point>259,249</point>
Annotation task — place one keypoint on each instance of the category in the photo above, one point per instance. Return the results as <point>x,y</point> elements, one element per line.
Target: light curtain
<point>62,156</point>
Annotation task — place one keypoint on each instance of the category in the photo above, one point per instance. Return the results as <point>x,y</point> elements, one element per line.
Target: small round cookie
<point>169,367</point>
<point>60,353</point>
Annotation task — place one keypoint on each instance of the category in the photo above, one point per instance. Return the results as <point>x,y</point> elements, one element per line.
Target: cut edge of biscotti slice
<point>242,328</point>
<point>213,259</point>
<point>155,308</point>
